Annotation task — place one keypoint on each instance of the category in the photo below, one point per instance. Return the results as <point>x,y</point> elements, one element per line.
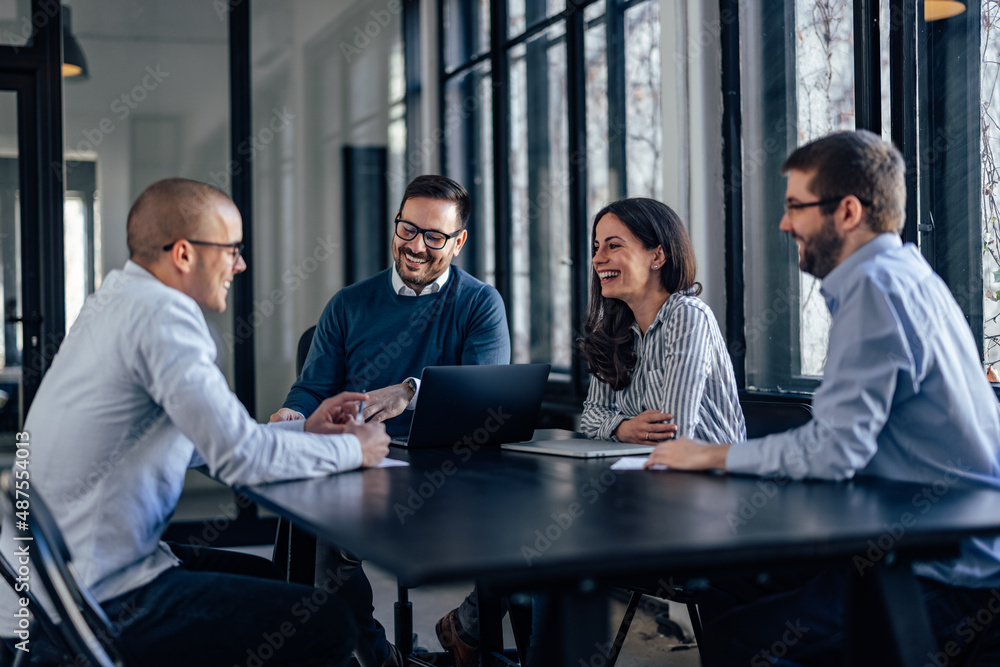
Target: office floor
<point>204,499</point>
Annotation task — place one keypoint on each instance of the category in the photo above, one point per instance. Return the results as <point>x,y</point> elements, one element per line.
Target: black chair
<point>762,418</point>
<point>295,549</point>
<point>84,634</point>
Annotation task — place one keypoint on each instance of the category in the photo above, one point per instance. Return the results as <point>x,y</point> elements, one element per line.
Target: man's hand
<point>387,402</point>
<point>286,415</point>
<point>374,441</point>
<point>688,454</point>
<point>647,428</point>
<point>333,413</point>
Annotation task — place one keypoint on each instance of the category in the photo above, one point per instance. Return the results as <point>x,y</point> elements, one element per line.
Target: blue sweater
<point>369,337</point>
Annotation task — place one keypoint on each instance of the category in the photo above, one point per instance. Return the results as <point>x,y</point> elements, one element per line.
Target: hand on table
<point>689,454</point>
<point>647,428</point>
<point>286,415</point>
<point>386,403</point>
<point>333,413</point>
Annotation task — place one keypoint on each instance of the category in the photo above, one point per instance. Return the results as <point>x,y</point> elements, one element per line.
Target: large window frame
<point>939,145</point>
<point>567,386</point>
<point>943,182</point>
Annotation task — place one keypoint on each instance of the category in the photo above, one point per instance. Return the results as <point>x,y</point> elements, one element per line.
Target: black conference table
<point>571,527</point>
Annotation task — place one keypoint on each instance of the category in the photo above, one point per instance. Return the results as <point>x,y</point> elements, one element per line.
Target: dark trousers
<point>221,608</point>
<point>793,625</point>
<point>340,571</point>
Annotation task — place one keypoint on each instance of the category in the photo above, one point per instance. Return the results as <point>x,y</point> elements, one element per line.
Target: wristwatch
<point>411,384</point>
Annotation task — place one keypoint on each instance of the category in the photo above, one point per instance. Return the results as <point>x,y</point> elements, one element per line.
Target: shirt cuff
<point>744,457</point>
<point>353,449</point>
<point>608,430</point>
<point>298,425</point>
<point>413,401</point>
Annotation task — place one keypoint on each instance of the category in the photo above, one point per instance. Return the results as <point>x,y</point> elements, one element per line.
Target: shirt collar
<point>400,288</point>
<point>133,269</point>
<point>661,314</point>
<point>836,280</point>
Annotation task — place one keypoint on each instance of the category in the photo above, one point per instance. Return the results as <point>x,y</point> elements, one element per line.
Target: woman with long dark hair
<point>654,348</point>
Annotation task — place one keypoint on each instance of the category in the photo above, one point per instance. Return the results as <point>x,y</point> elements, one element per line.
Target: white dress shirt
<point>129,399</point>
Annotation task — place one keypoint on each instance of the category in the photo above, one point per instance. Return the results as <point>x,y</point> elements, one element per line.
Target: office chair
<point>84,635</point>
<point>295,549</point>
<point>762,418</point>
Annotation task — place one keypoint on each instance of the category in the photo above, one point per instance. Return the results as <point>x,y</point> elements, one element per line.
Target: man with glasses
<point>130,401</point>
<point>378,335</point>
<point>904,396</point>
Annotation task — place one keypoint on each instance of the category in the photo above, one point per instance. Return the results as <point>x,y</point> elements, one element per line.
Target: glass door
<point>11,334</point>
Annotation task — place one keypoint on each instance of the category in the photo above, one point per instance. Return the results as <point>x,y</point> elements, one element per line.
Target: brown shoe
<point>395,658</point>
<point>464,655</point>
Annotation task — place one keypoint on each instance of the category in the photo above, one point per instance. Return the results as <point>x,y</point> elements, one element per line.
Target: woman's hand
<point>647,428</point>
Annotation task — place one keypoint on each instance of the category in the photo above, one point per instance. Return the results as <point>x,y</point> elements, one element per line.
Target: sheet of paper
<point>392,463</point>
<point>634,463</point>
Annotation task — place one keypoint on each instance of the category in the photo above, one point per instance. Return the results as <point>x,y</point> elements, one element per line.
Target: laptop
<point>476,405</point>
<point>558,442</point>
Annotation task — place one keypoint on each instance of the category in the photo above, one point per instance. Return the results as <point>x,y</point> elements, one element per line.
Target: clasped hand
<point>649,427</point>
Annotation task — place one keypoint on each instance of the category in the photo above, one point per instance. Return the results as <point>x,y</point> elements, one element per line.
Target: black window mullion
<point>867,67</point>
<point>500,65</point>
<point>732,174</point>
<point>240,132</point>
<point>576,94</point>
<point>414,89</point>
<point>903,100</point>
<point>617,176</point>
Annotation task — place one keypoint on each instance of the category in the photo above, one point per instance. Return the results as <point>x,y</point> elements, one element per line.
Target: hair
<point>442,188</point>
<point>861,164</point>
<point>167,211</point>
<point>607,343</point>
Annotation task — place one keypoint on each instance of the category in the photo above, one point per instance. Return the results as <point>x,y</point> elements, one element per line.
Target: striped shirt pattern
<point>683,368</point>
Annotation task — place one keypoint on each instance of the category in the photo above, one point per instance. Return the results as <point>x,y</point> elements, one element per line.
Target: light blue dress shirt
<point>904,396</point>
<point>131,396</point>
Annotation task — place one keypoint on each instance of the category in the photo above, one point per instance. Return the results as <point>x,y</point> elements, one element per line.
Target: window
<point>990,150</point>
<point>547,118</point>
<point>934,93</point>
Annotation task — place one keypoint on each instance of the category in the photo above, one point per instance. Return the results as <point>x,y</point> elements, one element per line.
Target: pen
<point>360,417</point>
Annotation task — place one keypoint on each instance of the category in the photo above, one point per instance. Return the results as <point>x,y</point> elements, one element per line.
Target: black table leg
<point>490,625</point>
<point>575,632</point>
<point>887,622</point>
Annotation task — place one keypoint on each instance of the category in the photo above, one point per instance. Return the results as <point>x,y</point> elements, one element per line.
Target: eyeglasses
<point>432,239</point>
<point>236,248</point>
<point>789,207</point>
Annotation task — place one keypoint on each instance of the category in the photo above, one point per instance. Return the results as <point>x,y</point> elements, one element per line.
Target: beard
<point>821,253</point>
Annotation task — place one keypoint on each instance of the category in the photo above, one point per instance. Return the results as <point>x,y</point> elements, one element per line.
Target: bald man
<point>131,399</point>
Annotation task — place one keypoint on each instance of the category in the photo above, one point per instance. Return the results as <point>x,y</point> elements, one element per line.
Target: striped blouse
<point>682,367</point>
